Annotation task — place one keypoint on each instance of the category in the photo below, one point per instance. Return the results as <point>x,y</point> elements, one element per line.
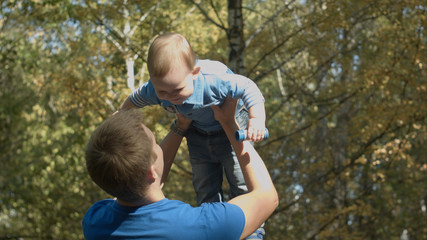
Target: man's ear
<point>152,174</point>
<point>196,70</point>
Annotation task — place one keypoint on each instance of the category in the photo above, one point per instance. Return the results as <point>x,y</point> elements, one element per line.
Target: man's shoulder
<point>99,207</point>
<point>221,206</point>
<point>101,204</point>
<point>225,219</point>
<point>206,210</point>
<point>219,220</point>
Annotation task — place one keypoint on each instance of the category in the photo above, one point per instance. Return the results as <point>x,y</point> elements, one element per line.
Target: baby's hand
<point>256,129</point>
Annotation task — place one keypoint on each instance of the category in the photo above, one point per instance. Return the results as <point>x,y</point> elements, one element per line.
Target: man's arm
<point>171,143</point>
<point>261,200</point>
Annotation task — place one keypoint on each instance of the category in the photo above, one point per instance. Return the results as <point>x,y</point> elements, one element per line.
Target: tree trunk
<point>235,36</point>
<point>130,62</point>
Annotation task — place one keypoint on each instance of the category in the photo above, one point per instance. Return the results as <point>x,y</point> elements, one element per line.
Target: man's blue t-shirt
<point>165,219</point>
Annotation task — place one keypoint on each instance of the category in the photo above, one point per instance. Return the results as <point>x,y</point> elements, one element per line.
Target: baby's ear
<point>196,70</point>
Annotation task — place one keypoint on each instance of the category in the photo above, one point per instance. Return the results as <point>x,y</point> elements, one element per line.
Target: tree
<point>345,90</point>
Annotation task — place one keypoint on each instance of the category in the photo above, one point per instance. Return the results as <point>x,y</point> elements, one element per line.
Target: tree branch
<point>143,17</point>
<point>216,13</point>
<point>313,234</point>
<point>279,65</point>
<point>308,125</point>
<point>205,14</point>
<point>279,45</point>
<point>265,23</point>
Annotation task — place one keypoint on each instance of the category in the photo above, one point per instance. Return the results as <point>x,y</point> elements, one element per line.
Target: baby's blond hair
<point>167,51</point>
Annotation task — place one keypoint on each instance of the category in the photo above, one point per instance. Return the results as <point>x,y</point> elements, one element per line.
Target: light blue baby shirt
<point>213,85</point>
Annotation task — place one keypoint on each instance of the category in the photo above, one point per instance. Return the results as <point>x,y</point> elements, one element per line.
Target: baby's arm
<point>256,125</point>
<point>144,95</point>
<point>127,104</point>
<point>238,86</point>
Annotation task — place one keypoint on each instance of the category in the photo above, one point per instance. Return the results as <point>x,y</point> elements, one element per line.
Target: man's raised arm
<point>262,199</point>
<point>171,143</point>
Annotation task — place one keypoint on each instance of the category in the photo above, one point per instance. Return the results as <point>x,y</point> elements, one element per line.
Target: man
<point>124,160</point>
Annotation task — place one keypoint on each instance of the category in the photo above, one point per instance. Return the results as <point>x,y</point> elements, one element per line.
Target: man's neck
<point>151,198</point>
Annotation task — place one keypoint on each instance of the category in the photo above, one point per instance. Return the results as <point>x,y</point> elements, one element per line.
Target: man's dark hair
<point>119,155</point>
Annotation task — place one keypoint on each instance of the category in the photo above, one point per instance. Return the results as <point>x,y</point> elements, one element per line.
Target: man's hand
<point>182,122</point>
<point>226,112</point>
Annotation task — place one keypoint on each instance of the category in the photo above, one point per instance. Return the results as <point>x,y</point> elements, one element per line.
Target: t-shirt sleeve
<point>144,95</point>
<point>224,220</point>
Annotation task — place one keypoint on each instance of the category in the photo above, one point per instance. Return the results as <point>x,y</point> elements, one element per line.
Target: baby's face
<point>176,86</point>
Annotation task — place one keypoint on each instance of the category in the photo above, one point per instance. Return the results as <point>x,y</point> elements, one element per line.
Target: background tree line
<point>346,99</point>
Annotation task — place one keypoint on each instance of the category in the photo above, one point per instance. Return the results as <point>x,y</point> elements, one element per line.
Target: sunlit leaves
<point>345,88</point>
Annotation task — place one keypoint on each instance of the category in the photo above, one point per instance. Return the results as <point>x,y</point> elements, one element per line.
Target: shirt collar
<point>198,90</point>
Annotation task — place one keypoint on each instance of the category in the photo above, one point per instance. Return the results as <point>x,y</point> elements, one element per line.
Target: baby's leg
<point>207,171</point>
<point>234,175</point>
